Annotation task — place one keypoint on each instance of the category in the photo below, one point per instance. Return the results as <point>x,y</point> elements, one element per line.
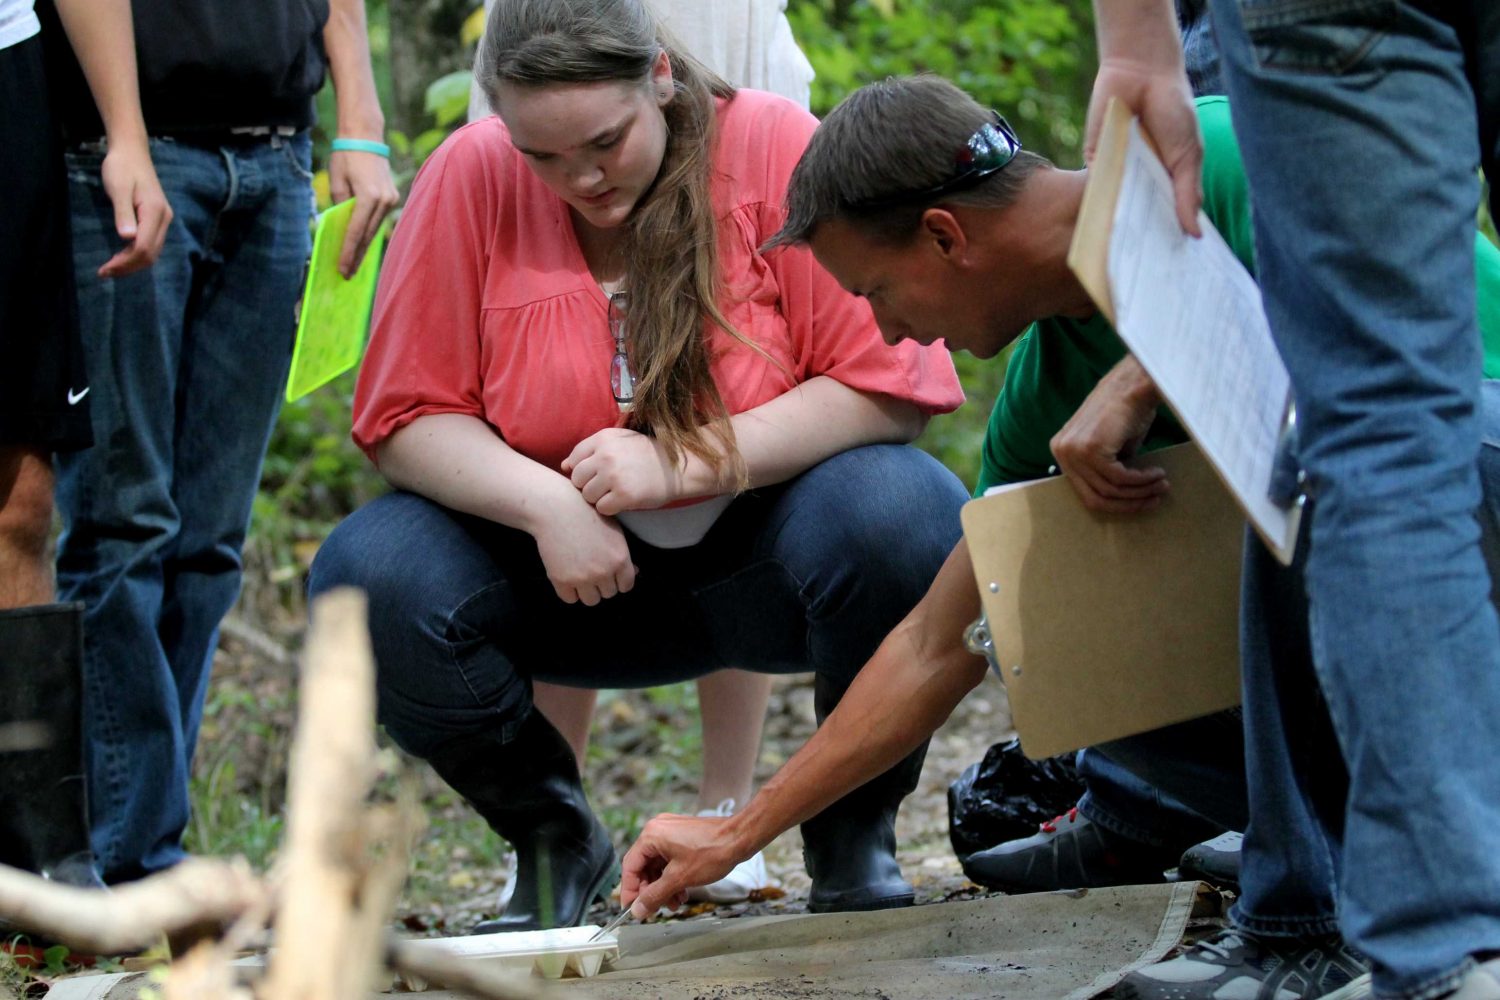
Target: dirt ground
<point>248,724</point>
<point>925,854</point>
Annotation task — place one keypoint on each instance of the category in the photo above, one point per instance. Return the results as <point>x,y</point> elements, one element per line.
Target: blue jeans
<point>1200,56</point>
<point>187,361</point>
<point>1116,798</point>
<point>1299,796</point>
<point>1361,124</point>
<point>807,576</point>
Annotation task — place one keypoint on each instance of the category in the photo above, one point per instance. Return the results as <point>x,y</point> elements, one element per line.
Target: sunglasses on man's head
<point>988,151</point>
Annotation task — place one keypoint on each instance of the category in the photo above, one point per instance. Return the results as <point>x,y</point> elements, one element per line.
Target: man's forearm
<point>103,38</point>
<point>346,40</point>
<point>1139,31</point>
<point>900,698</point>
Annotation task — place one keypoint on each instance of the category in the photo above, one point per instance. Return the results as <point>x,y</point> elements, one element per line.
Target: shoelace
<point>724,808</point>
<point>1229,939</point>
<point>1050,826</point>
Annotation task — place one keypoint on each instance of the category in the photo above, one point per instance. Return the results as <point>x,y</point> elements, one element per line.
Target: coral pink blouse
<point>487,308</point>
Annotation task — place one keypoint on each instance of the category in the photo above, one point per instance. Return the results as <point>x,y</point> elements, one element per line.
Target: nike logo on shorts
<point>74,397</point>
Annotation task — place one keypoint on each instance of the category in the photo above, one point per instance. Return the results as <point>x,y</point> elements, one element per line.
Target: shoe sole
<point>864,906</point>
<point>1358,989</point>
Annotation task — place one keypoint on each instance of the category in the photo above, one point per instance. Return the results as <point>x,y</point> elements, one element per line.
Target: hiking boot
<point>849,848</point>
<point>1216,862</point>
<point>1481,983</point>
<point>1235,965</point>
<point>44,826</point>
<point>528,789</point>
<point>1068,852</point>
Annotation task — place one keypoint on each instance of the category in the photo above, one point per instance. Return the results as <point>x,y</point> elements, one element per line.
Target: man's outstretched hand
<point>672,855</point>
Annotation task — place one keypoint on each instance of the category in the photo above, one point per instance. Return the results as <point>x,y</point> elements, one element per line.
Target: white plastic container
<point>551,954</point>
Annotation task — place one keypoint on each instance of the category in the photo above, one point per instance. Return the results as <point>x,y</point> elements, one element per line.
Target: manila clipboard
<point>1108,625</point>
<point>1088,254</point>
<point>1089,259</point>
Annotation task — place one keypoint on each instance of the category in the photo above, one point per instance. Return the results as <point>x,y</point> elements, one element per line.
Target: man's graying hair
<point>886,139</point>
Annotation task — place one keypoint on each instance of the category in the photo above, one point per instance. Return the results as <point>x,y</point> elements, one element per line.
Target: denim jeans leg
<point>1360,131</point>
<point>862,535</point>
<point>442,596</point>
<point>119,515</point>
<point>236,349</point>
<point>1489,480</point>
<point>1294,770</point>
<point>1199,764</point>
<point>134,506</point>
<point>1120,802</point>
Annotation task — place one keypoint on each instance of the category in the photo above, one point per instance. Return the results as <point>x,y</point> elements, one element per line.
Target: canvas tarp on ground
<point>1046,946</point>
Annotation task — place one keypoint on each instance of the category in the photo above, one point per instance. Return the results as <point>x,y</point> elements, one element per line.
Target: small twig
<point>325,852</point>
<point>242,631</point>
<point>130,917</point>
<point>202,974</point>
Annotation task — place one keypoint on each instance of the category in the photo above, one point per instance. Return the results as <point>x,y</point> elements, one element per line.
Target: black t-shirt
<point>208,65</point>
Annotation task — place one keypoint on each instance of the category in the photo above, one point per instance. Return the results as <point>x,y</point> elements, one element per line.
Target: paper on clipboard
<point>1192,316</point>
<point>1108,625</point>
<point>335,313</point>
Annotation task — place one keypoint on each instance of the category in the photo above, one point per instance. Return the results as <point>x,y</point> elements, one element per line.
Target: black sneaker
<point>1216,862</point>
<point>1235,965</point>
<point>1069,852</point>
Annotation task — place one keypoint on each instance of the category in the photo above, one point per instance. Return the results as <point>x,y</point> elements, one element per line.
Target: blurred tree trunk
<point>425,45</point>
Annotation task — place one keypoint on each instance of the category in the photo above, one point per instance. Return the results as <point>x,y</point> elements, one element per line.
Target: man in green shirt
<point>920,201</point>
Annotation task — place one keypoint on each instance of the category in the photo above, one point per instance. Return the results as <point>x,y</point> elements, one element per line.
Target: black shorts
<point>43,382</point>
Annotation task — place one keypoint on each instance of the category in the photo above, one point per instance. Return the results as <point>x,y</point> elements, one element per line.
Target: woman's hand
<point>584,553</point>
<point>618,469</point>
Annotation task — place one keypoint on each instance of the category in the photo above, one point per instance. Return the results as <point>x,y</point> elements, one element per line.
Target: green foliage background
<point>1030,59</point>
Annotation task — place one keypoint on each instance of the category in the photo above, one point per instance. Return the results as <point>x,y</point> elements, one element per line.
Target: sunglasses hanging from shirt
<point>621,378</point>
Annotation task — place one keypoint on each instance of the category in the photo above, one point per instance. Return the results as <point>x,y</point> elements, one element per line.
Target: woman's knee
<point>436,603</point>
<point>891,509</point>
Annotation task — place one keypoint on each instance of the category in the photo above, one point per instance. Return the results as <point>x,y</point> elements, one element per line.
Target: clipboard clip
<point>979,641</point>
<point>1288,486</point>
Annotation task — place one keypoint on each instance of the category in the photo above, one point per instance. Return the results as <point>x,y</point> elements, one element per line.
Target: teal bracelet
<point>361,146</point>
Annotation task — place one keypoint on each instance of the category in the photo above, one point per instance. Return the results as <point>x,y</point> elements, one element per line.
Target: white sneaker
<point>1482,983</point>
<point>746,877</point>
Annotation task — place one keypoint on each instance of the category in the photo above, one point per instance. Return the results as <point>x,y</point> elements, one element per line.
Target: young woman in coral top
<point>628,447</point>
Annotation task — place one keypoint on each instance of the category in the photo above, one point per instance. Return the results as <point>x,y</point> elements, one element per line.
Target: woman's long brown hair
<point>671,244</point>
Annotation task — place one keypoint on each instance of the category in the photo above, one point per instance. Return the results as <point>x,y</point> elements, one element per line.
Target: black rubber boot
<point>529,791</point>
<point>850,847</point>
<point>44,825</point>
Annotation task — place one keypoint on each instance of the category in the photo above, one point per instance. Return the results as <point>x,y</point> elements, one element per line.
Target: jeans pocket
<point>83,166</point>
<point>298,153</point>
<point>1322,37</point>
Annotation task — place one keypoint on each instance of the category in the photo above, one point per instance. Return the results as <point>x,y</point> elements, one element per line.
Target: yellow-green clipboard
<point>335,314</point>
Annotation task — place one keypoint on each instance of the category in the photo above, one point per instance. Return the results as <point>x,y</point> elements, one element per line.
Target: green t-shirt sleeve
<point>1006,436</point>
<point>1487,287</point>
<point>1226,194</point>
<point>1058,362</point>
